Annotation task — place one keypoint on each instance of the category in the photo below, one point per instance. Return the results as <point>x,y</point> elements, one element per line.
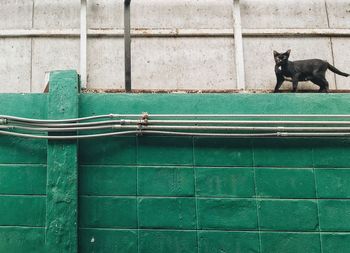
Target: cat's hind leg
<point>322,82</point>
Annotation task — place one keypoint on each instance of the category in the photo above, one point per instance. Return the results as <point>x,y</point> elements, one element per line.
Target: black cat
<point>313,70</point>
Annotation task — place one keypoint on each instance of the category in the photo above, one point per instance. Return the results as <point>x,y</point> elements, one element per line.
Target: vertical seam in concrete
<point>195,193</point>
<point>31,50</point>
<point>238,40</point>
<point>331,41</point>
<point>256,195</point>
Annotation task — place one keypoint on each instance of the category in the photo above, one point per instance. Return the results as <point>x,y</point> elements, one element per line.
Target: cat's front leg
<point>280,80</point>
<point>295,81</point>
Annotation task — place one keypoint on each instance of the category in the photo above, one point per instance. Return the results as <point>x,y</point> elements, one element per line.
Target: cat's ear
<point>275,53</point>
<point>288,52</point>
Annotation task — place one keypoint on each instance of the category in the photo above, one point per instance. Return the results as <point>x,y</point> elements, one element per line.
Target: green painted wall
<point>22,180</point>
<point>183,194</point>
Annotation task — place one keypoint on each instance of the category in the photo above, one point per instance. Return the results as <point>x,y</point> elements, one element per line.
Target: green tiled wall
<point>183,194</point>
<point>208,195</point>
<point>22,179</point>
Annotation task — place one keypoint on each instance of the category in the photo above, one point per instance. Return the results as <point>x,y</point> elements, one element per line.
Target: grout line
<point>195,193</point>
<point>256,198</point>
<point>4,165</point>
<point>318,211</point>
<point>210,197</point>
<point>23,195</point>
<point>208,230</point>
<point>316,196</point>
<point>137,194</point>
<point>19,226</point>
<point>198,166</point>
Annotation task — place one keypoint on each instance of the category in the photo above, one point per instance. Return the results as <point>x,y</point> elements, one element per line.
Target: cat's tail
<point>337,71</point>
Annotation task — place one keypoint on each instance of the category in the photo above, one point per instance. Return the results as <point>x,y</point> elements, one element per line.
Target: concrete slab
<point>16,14</point>
<point>182,14</point>
<point>56,14</point>
<point>52,54</point>
<point>15,64</point>
<point>183,63</point>
<point>259,62</point>
<point>105,14</point>
<point>283,14</point>
<point>105,63</point>
<point>342,61</point>
<point>339,13</point>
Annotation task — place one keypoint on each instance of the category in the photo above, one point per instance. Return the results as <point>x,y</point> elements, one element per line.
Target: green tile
<point>285,183</point>
<point>22,240</point>
<point>23,179</point>
<point>22,150</point>
<point>283,153</point>
<point>107,180</point>
<point>332,153</point>
<point>334,215</point>
<point>290,243</point>
<point>111,241</point>
<point>22,211</point>
<point>225,182</point>
<point>165,150</point>
<point>333,183</point>
<point>223,152</point>
<point>167,241</point>
<point>290,215</point>
<point>179,213</point>
<point>335,243</point>
<point>107,212</point>
<point>166,181</point>
<point>227,214</point>
<point>246,242</point>
<point>108,151</point>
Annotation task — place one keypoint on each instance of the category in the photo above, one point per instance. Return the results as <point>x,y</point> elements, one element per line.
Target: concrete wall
<point>168,63</point>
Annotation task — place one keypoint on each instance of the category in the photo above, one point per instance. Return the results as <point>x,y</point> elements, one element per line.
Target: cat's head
<point>280,59</point>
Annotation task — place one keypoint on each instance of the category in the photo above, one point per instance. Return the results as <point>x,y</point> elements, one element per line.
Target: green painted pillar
<point>62,168</point>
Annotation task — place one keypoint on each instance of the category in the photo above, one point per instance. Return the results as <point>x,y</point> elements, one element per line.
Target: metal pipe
<point>127,45</point>
<point>83,43</point>
<point>247,122</point>
<point>193,122</point>
<point>188,122</point>
<point>170,133</point>
<point>4,118</point>
<point>66,129</point>
<point>224,128</point>
<point>79,124</point>
<point>277,134</point>
<point>67,137</point>
<point>166,127</point>
<point>177,32</point>
<point>242,115</point>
